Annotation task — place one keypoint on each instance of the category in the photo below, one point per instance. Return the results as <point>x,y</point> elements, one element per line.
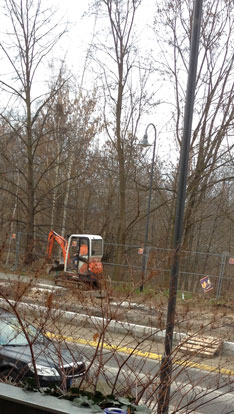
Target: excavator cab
<point>82,250</point>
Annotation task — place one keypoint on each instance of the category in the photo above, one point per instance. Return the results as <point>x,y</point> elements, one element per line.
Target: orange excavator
<point>81,259</point>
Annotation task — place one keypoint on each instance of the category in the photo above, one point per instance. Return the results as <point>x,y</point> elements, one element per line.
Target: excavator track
<point>82,282</point>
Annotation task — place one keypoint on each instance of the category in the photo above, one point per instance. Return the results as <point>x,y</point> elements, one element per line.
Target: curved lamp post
<point>145,143</point>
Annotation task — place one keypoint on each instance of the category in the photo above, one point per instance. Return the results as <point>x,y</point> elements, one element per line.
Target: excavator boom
<point>63,243</point>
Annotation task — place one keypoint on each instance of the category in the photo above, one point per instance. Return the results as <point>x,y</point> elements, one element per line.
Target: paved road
<point>192,390</point>
<point>198,391</point>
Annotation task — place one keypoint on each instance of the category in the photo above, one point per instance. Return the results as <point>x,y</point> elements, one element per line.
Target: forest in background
<point>70,157</point>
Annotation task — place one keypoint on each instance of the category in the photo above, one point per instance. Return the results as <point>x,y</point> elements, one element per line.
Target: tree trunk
<point>30,178</point>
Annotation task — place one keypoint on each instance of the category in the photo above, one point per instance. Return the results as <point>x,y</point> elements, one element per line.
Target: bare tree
<point>125,98</point>
<point>31,36</point>
<point>210,152</point>
<point>123,363</point>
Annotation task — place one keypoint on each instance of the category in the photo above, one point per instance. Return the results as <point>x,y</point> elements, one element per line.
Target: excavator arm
<point>63,243</point>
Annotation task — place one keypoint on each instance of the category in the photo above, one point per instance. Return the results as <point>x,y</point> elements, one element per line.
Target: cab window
<point>96,247</point>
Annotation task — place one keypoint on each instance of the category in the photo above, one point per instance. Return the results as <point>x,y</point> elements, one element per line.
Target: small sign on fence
<point>140,250</point>
<point>231,260</point>
<point>13,236</point>
<point>206,284</point>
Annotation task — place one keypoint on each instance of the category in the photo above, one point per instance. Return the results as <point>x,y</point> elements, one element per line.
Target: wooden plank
<point>200,340</point>
<point>204,338</point>
<point>199,354</point>
<point>208,351</point>
<point>200,345</point>
<point>203,342</point>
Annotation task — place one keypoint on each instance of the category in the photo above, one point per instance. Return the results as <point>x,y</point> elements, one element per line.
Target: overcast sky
<point>76,42</point>
<point>73,46</point>
<point>80,33</point>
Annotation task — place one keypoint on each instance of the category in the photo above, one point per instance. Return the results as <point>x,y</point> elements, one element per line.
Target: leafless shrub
<point>121,359</point>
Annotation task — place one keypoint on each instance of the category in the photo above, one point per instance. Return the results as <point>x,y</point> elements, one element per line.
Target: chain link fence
<point>193,265</point>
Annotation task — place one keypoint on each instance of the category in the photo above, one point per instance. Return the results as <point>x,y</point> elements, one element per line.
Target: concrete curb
<point>16,400</point>
<point>137,331</point>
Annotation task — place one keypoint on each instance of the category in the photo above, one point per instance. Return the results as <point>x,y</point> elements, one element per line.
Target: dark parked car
<point>55,364</point>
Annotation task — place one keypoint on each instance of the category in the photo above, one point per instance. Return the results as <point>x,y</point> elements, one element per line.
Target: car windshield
<point>11,333</point>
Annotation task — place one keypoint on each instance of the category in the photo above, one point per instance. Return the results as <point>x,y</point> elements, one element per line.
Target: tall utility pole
<point>166,364</point>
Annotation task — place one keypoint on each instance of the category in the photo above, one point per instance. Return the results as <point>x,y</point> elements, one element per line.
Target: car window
<point>11,333</point>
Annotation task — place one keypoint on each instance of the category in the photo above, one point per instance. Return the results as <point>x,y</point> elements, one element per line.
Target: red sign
<point>231,260</point>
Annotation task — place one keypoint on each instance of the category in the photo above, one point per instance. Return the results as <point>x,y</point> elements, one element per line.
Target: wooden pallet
<point>202,346</point>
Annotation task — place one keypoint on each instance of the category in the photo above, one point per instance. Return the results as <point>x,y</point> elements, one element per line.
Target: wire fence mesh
<point>194,266</point>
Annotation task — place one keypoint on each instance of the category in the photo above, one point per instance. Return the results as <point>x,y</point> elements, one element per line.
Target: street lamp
<point>145,143</point>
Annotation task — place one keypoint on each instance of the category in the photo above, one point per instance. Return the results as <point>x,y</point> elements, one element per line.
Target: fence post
<point>221,274</point>
<point>147,253</point>
<point>17,249</point>
<point>9,248</point>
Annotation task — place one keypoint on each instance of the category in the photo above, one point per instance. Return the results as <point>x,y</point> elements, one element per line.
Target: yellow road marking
<point>150,355</point>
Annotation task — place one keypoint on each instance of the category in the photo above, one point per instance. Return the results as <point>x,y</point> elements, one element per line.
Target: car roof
<point>6,313</point>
